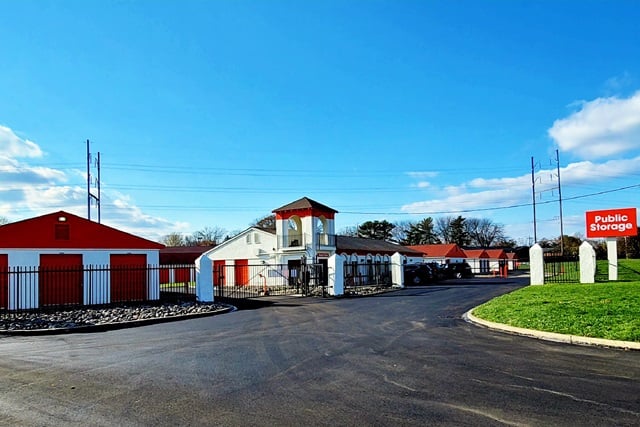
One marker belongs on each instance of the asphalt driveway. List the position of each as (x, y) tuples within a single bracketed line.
[(401, 358)]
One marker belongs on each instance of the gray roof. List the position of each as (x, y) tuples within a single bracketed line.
[(362, 245)]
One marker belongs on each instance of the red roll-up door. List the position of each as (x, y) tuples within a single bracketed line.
[(4, 281), (60, 281), (219, 273), (183, 274), (128, 277), (242, 272)]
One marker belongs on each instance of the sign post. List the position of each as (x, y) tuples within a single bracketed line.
[(612, 224)]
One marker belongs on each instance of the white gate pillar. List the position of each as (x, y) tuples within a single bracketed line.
[(204, 279), (335, 266), (612, 256), (397, 271), (536, 265), (587, 263)]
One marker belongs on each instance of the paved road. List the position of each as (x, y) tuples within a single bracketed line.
[(402, 358)]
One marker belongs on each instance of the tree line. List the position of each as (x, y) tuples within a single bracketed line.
[(465, 232)]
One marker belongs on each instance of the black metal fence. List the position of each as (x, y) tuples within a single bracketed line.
[(243, 281), (360, 277), (44, 288), (561, 268)]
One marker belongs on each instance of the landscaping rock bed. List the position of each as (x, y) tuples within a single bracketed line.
[(87, 317)]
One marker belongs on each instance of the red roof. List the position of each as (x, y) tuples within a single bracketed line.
[(476, 253), (496, 253), (304, 207), (448, 250), (62, 230)]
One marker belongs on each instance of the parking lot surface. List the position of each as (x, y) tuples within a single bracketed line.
[(401, 358)]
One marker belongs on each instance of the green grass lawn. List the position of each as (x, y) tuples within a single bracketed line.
[(602, 310)]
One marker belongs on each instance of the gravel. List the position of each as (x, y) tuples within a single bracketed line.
[(75, 318)]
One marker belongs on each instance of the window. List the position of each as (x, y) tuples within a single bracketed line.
[(62, 232), (256, 238), (248, 239)]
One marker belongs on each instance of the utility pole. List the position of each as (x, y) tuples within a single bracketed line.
[(88, 181), (560, 201), (90, 195)]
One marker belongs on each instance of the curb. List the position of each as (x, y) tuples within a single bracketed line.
[(114, 326), (551, 336)]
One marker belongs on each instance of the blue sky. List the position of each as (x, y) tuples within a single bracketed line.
[(213, 113)]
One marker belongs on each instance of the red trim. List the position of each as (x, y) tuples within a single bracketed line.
[(303, 213)]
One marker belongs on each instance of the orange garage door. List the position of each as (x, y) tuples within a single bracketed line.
[(128, 277), (60, 280), (241, 271), (219, 272)]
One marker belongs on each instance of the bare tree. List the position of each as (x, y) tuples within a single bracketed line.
[(208, 236), (443, 228), (267, 222), (173, 239), (401, 230), (350, 231), (3, 220), (483, 232)]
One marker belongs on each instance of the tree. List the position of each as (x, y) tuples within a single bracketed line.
[(267, 222), (443, 228), (208, 236), (452, 230), (173, 239), (483, 232), (379, 230), (422, 233), (350, 231), (400, 230), (458, 232), (629, 247), (3, 220)]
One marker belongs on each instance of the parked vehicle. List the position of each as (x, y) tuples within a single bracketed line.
[(418, 274), (438, 270), (458, 270)]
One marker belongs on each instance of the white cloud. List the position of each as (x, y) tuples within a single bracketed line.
[(29, 191), (495, 193), (601, 128), (12, 146)]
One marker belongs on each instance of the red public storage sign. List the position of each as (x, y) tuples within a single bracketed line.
[(612, 223)]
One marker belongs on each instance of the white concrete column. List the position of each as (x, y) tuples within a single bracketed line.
[(612, 256), (587, 263), (397, 271), (204, 279), (335, 265), (536, 265)]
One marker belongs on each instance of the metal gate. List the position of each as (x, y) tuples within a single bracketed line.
[(246, 281), (561, 268), (365, 277)]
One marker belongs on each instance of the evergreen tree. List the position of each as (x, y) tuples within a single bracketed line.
[(379, 230), (422, 233)]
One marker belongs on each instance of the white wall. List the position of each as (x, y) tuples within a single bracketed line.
[(244, 246), (96, 283)]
